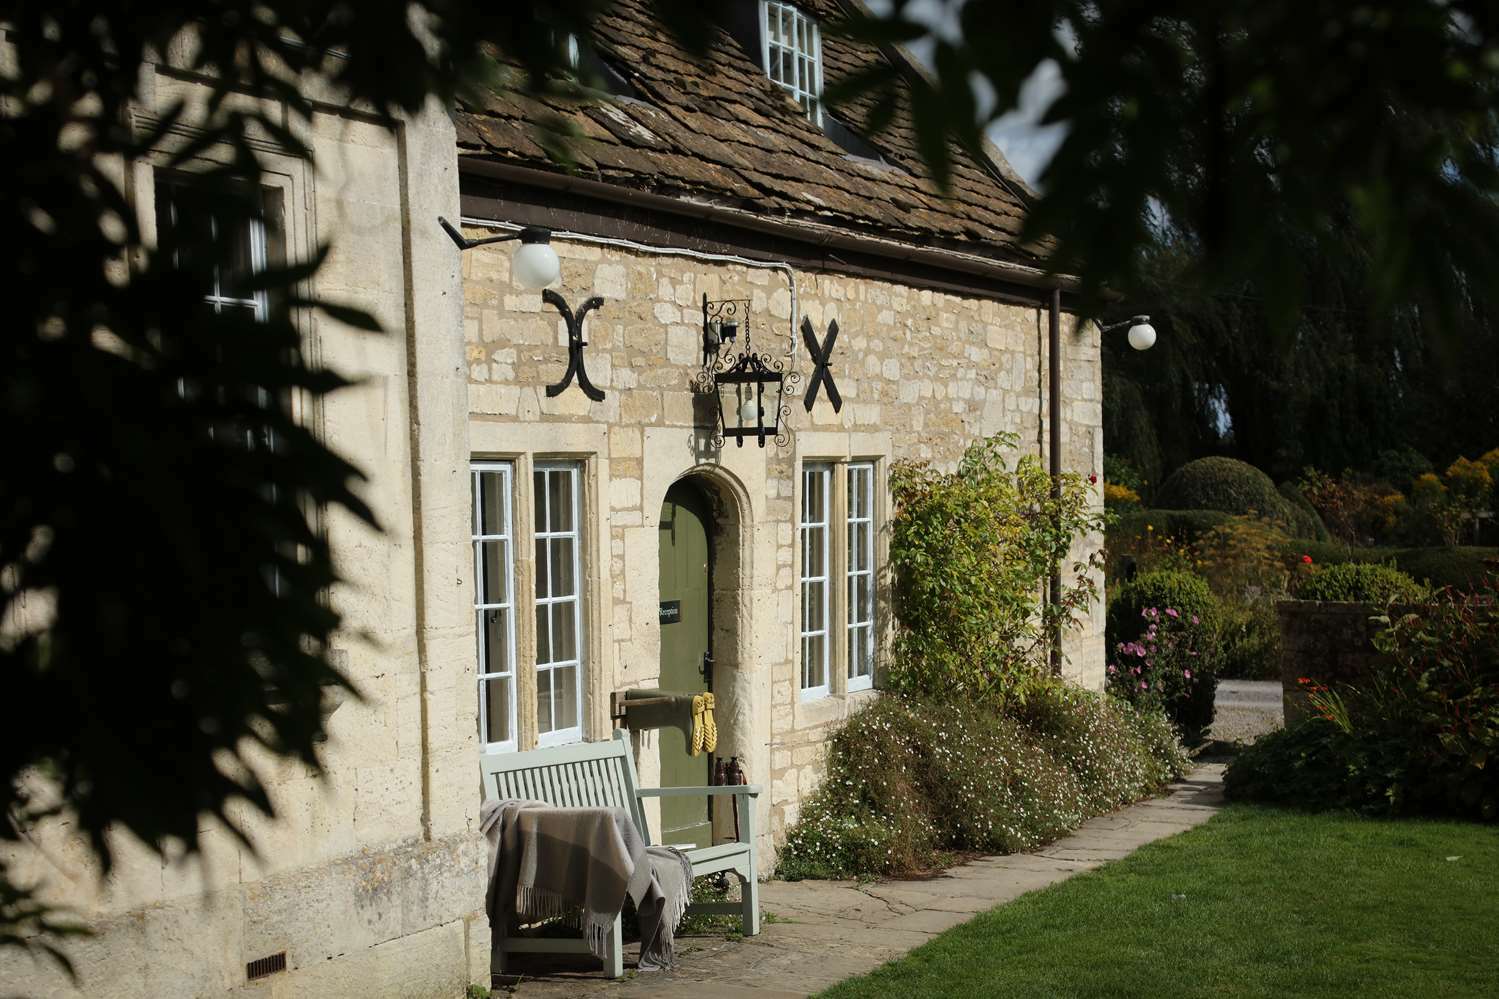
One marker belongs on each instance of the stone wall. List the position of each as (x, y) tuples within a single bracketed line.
[(1327, 642), (371, 879), (922, 374)]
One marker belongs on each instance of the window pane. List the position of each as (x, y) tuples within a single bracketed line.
[(494, 632), (864, 599), (540, 482), (560, 501), (497, 710), (237, 261), (543, 634), (815, 554), (564, 632), (565, 697), (812, 664), (493, 575), (563, 583), (543, 569), (815, 601), (544, 701), (491, 502)]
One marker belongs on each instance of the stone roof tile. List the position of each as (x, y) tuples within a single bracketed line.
[(718, 130)]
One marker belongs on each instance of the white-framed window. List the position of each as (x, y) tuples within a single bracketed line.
[(494, 602), (559, 606), (791, 47), (859, 572), (193, 214), (813, 529)]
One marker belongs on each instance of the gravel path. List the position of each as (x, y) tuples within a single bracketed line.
[(1247, 709)]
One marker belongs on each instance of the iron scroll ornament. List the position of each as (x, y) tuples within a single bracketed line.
[(575, 344), (740, 379), (822, 357)]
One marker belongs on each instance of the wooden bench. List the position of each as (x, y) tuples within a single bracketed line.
[(602, 774)]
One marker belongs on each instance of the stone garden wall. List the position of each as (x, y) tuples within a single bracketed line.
[(1328, 642)]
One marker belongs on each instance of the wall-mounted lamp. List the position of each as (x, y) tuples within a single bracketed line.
[(1141, 333), (751, 387), (533, 265)]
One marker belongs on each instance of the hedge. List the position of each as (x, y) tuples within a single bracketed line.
[(1357, 581), (1461, 567)]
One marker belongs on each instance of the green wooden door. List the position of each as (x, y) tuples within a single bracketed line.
[(686, 624)]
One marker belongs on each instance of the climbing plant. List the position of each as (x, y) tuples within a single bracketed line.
[(971, 551)]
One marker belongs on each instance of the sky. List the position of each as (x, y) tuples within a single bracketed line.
[(1027, 145)]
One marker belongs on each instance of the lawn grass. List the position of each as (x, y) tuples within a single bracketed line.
[(1257, 902)]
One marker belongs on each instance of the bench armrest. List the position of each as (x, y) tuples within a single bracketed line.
[(750, 790)]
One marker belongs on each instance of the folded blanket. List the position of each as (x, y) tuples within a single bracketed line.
[(579, 864)]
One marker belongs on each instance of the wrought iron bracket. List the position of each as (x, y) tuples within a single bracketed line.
[(822, 357), (575, 345)]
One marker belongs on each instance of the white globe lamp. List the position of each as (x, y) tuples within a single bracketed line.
[(1141, 333), (535, 263)]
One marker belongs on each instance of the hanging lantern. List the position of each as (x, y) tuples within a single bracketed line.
[(750, 386)]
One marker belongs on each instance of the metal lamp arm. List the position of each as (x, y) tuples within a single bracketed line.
[(1131, 321), (529, 234)]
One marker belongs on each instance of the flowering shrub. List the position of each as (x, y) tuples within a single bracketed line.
[(1166, 669), (910, 781)]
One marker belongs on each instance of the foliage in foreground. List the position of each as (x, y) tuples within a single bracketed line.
[(1255, 903), (1420, 737), (971, 551), (908, 780)]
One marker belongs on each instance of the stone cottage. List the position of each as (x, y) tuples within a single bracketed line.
[(582, 497)]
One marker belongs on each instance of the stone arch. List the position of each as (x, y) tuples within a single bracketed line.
[(741, 692)]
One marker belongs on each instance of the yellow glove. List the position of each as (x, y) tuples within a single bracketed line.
[(704, 731)]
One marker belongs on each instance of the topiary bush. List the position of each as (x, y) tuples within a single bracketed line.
[(1183, 591), (910, 781), (1356, 581), (1463, 567), (1220, 484), (1305, 521)]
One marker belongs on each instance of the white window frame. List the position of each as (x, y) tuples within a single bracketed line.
[(861, 578), (806, 82), (507, 537), (824, 470), (259, 301), (574, 470)]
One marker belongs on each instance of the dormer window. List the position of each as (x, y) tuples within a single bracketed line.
[(792, 51)]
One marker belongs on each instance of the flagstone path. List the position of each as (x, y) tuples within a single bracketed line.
[(821, 932)]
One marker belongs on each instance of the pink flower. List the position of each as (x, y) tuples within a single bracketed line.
[(1196, 619), (1186, 673), (1136, 671), (1112, 670), (1171, 612), (1144, 685)]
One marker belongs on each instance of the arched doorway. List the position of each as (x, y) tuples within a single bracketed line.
[(687, 586)]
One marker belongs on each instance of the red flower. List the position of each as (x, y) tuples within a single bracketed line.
[(1306, 560), (1092, 480)]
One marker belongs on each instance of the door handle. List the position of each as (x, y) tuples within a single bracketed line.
[(707, 667)]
